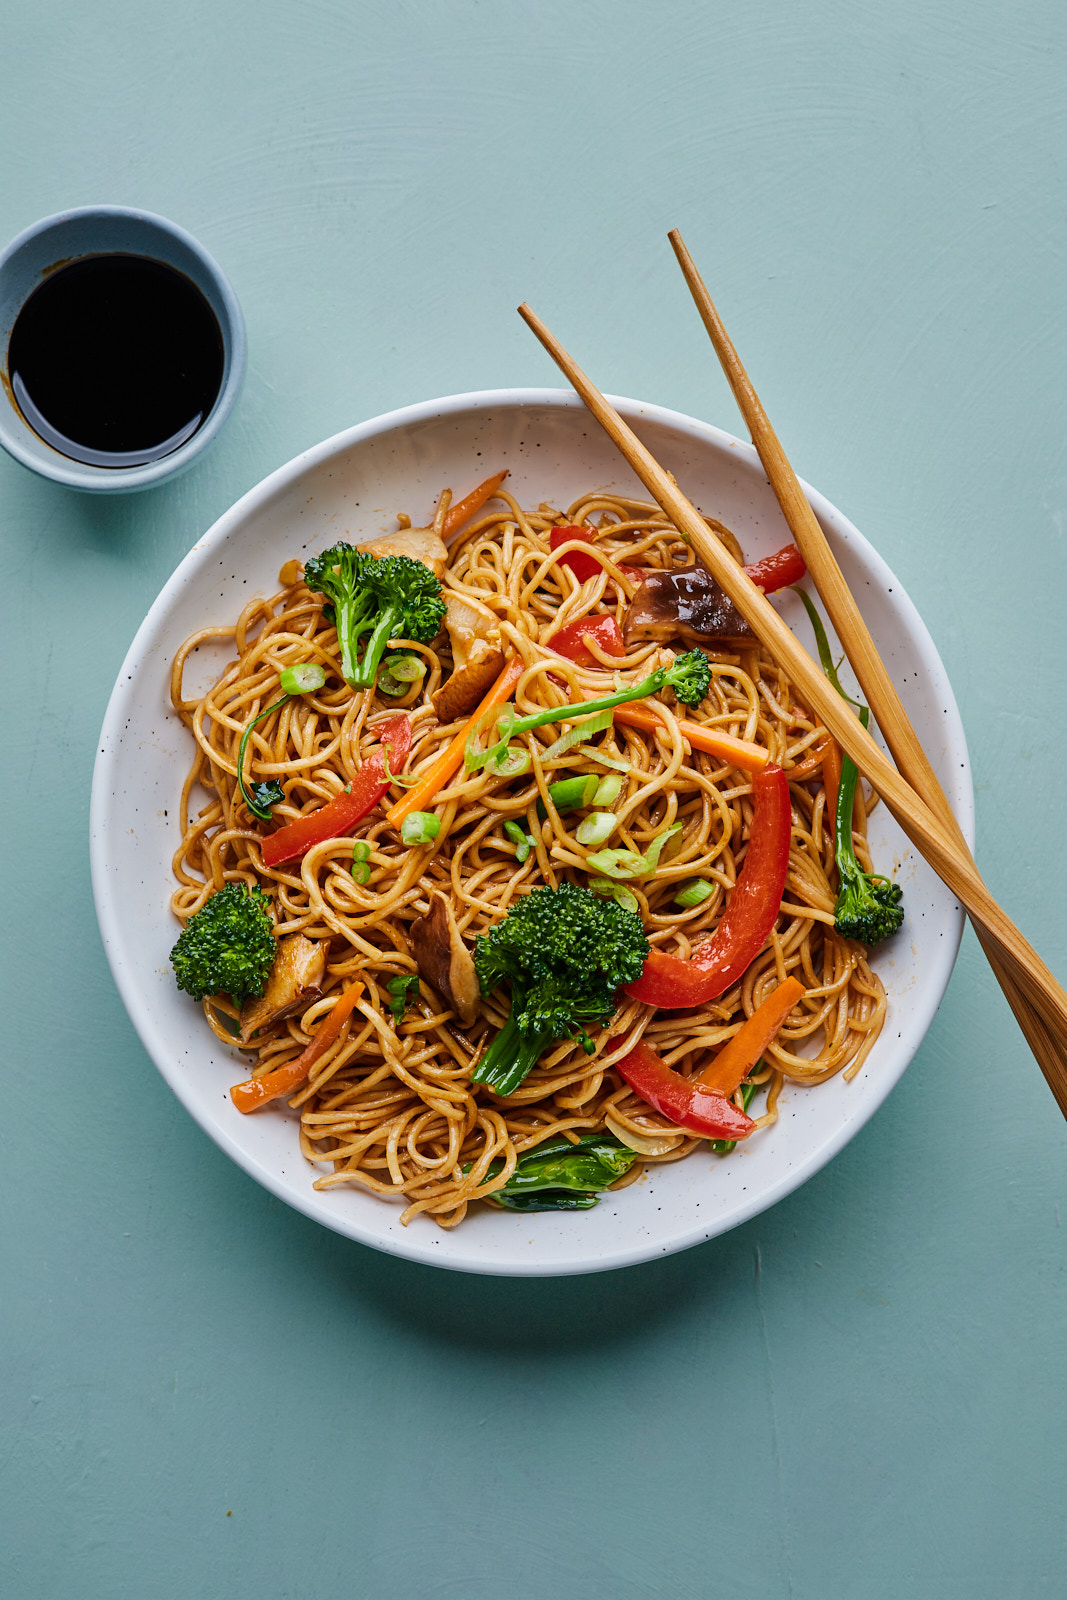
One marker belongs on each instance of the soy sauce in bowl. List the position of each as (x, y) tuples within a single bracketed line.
[(116, 360)]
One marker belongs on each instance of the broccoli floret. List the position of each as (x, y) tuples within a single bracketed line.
[(689, 676), (375, 598), (566, 954), (868, 904), (228, 946)]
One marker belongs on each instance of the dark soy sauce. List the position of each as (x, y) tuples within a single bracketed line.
[(115, 360)]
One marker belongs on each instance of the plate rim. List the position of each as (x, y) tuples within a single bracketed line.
[(413, 1246)]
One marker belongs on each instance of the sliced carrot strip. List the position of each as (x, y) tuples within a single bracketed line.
[(738, 752), (740, 1054), (451, 758), (462, 510), (285, 1079)]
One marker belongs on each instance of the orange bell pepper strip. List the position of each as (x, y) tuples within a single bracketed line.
[(451, 758), (745, 925), (685, 1101), (339, 815), (739, 1055), (255, 1092), (461, 511)]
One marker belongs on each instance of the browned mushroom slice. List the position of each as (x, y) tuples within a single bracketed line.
[(444, 960), (685, 604), (459, 696), (421, 544), (295, 980)]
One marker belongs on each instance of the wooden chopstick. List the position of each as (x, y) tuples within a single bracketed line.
[(926, 830), (908, 753)]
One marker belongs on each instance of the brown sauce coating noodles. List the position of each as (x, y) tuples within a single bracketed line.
[(390, 1106)]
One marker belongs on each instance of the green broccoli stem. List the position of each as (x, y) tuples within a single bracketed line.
[(512, 1055), (366, 671), (351, 624), (586, 708), (844, 853)]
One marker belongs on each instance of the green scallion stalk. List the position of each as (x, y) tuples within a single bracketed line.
[(597, 828), (360, 861), (520, 839), (694, 893), (608, 790), (304, 678), (420, 827), (570, 794)]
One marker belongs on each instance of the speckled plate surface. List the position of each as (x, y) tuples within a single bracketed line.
[(352, 486)]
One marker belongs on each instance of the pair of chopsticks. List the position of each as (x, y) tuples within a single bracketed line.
[(912, 793)]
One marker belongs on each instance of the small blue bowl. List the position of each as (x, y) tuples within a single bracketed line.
[(107, 230)]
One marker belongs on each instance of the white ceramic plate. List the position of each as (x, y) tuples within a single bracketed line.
[(352, 486)]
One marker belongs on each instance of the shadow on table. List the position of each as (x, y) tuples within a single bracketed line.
[(538, 1315)]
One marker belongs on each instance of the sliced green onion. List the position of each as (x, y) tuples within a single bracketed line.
[(360, 860), (597, 828), (608, 790), (397, 778), (473, 757), (304, 678), (581, 730), (615, 891), (595, 754), (398, 673), (627, 863), (510, 762), (520, 839), (420, 827), (569, 794), (694, 893)]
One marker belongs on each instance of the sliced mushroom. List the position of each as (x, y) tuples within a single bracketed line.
[(467, 685), (421, 544), (295, 980), (468, 621), (444, 960), (685, 604)]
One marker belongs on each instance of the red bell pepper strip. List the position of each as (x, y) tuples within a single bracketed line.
[(584, 566), (784, 567), (683, 1100), (747, 921), (340, 815), (604, 632)]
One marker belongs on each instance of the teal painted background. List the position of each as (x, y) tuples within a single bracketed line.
[(859, 1394)]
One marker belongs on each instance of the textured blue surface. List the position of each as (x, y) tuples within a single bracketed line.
[(860, 1394)]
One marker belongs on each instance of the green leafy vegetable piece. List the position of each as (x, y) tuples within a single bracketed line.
[(399, 989), (560, 1176)]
